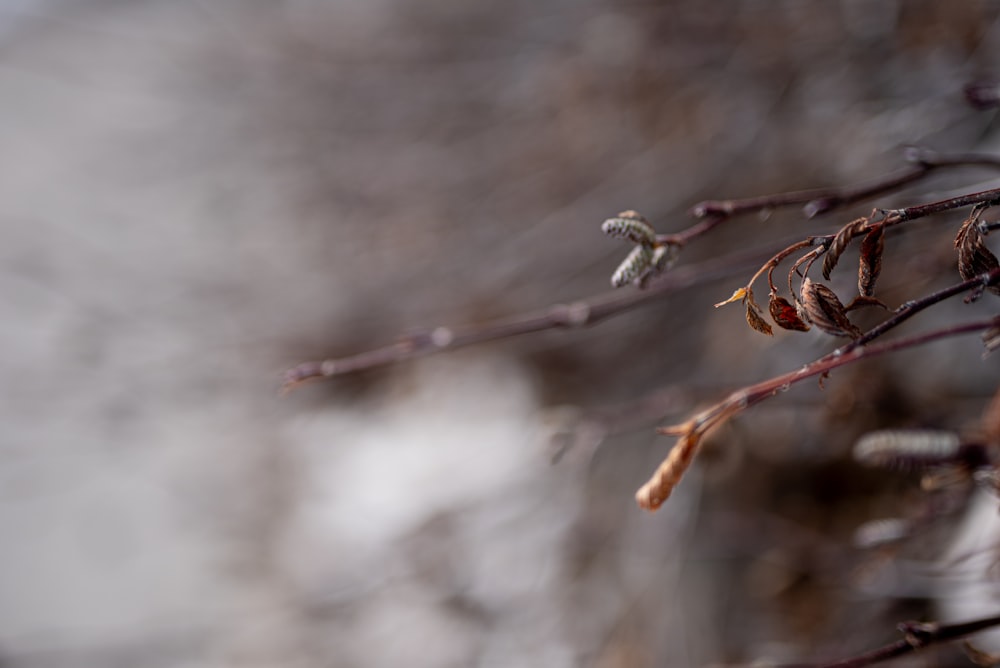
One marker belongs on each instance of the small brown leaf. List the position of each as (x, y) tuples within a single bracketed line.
[(974, 258), (754, 317), (870, 264), (785, 315), (738, 295), (840, 243), (756, 320), (822, 307)]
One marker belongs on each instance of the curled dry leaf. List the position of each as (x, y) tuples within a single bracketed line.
[(652, 495), (756, 320), (738, 295), (840, 243), (870, 263), (785, 315), (974, 258), (823, 308), (632, 266), (632, 226)]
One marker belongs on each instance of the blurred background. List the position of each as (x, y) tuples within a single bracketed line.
[(196, 195)]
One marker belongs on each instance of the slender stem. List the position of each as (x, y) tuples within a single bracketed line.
[(909, 309), (580, 313), (897, 216), (917, 635), (819, 201)]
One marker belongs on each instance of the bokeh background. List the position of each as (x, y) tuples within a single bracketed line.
[(198, 194)]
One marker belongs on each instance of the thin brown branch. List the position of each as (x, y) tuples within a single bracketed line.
[(659, 487), (819, 201), (580, 313), (916, 636)]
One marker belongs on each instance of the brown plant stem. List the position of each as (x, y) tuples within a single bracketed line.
[(819, 201), (580, 313), (659, 487), (916, 636)]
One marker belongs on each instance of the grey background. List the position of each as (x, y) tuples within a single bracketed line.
[(197, 195)]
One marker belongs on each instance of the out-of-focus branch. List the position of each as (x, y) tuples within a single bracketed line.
[(580, 313), (916, 636)]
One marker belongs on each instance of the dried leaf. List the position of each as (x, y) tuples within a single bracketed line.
[(634, 264), (785, 315), (632, 226), (840, 243), (756, 320), (974, 258), (652, 495), (861, 301), (738, 295), (870, 263), (822, 308), (754, 317)]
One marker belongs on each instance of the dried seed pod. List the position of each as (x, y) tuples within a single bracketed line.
[(632, 266), (877, 533), (908, 448), (785, 315), (822, 307), (632, 226), (974, 258), (840, 243), (870, 262)]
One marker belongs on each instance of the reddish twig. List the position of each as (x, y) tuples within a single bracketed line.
[(916, 636), (819, 201), (580, 313)]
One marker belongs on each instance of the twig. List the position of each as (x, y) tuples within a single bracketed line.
[(916, 636), (580, 313), (652, 495), (819, 201)]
